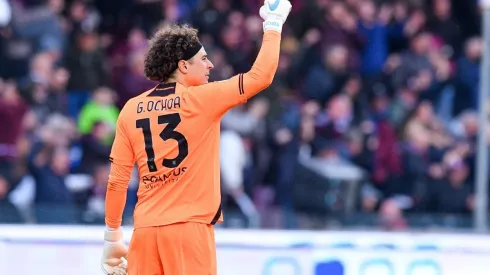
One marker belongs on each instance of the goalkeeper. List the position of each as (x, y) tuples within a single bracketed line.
[(172, 133)]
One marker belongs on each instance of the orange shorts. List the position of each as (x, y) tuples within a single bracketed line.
[(176, 249)]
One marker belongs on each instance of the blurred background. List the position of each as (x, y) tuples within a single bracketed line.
[(371, 120)]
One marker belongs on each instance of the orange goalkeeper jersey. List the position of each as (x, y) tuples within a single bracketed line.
[(172, 133)]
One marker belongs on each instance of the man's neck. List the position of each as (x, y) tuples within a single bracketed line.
[(177, 80)]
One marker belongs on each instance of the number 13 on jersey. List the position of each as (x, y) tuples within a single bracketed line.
[(168, 132)]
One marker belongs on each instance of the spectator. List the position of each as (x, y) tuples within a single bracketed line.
[(95, 148), (341, 28), (49, 165), (10, 214), (444, 26), (375, 33), (323, 81), (85, 61), (452, 194), (240, 128), (416, 64), (133, 78), (12, 111), (100, 108), (468, 75)]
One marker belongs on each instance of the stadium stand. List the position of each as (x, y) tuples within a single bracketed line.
[(370, 122)]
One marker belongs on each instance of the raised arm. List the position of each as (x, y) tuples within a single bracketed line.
[(218, 97)]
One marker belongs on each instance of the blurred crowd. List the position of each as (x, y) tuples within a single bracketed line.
[(388, 88)]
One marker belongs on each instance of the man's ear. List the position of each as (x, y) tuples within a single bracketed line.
[(182, 66)]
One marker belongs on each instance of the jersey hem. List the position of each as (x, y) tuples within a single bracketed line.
[(175, 222)]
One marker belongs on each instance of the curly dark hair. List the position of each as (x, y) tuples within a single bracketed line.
[(166, 48)]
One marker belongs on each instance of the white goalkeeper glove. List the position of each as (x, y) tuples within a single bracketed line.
[(275, 13), (114, 255)]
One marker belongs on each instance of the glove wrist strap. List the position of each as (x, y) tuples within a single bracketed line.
[(112, 235), (273, 25)]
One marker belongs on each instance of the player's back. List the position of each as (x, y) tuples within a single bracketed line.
[(176, 147), (172, 132)]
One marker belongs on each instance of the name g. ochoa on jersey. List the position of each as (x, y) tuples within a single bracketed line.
[(158, 105)]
